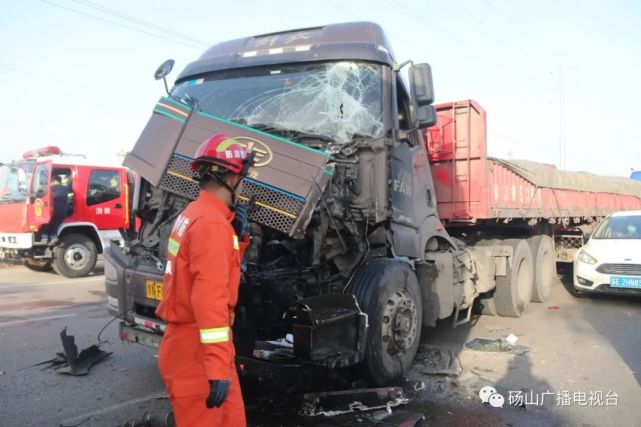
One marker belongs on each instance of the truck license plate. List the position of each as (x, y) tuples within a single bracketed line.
[(625, 282), (154, 290)]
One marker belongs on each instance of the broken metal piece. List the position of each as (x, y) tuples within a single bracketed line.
[(330, 330), (166, 419), (496, 345), (402, 419), (333, 403), (77, 364)]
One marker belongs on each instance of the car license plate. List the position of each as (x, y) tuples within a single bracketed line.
[(625, 282), (154, 290)]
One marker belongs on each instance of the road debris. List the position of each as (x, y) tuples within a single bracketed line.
[(432, 361), (70, 362), (402, 419), (496, 345), (166, 419), (333, 403), (420, 386), (553, 307), (512, 339)]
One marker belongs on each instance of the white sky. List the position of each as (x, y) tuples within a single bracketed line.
[(80, 76)]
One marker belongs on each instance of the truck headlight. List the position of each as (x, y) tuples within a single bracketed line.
[(587, 258)]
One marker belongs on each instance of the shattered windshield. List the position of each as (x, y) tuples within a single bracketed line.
[(14, 181), (337, 100)]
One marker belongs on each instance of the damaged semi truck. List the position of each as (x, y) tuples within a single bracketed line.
[(349, 258)]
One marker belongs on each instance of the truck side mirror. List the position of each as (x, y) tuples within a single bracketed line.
[(164, 69), (425, 116), (421, 84)]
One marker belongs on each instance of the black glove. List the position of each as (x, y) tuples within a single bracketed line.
[(218, 390), (240, 221)]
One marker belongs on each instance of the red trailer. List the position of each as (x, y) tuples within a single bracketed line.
[(498, 197)]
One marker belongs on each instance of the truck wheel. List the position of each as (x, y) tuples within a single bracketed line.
[(514, 290), (38, 265), (388, 291), (75, 256), (542, 248)]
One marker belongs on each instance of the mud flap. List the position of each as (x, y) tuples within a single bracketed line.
[(330, 330)]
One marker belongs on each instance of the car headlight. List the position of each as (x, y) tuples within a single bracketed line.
[(587, 258)]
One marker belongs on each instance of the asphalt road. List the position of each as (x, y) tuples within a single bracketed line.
[(578, 346), (34, 308)]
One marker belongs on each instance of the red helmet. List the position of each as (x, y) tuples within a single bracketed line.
[(222, 153)]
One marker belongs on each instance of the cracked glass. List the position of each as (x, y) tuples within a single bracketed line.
[(337, 101)]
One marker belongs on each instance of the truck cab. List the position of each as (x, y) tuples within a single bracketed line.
[(348, 255), (97, 206)]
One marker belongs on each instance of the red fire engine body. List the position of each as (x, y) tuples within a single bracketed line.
[(98, 205)]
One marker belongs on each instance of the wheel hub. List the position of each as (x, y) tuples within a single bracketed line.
[(399, 322), (76, 256)]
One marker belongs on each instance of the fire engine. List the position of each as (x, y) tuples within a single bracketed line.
[(98, 206)]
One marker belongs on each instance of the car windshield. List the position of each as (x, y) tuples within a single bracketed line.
[(620, 227), (14, 181), (337, 100)]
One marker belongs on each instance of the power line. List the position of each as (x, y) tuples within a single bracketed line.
[(395, 35), (421, 19), (465, 16), (49, 79), (518, 141), (141, 22), (520, 28), (121, 25)]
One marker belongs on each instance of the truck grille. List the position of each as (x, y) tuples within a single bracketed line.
[(629, 269), (272, 207), (179, 179)]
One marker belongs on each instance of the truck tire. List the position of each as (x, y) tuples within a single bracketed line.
[(514, 290), (542, 248), (76, 255), (388, 291), (38, 265)]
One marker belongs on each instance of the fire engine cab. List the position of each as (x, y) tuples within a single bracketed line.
[(98, 205)]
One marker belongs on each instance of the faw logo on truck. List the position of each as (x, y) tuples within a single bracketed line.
[(264, 154)]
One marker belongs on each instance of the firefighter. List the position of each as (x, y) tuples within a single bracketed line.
[(200, 290), (60, 196)]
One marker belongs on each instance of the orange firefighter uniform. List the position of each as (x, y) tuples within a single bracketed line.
[(200, 291)]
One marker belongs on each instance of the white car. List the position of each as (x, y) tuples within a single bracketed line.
[(610, 262)]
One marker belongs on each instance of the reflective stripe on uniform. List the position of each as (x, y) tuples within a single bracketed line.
[(172, 247), (209, 336), (236, 246)]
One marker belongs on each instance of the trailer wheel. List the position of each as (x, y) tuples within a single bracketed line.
[(40, 266), (388, 291), (76, 255), (514, 290), (542, 248)]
